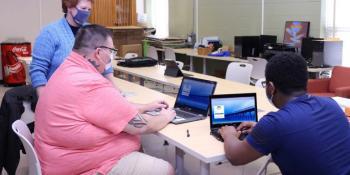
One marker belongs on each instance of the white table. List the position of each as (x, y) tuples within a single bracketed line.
[(196, 145)]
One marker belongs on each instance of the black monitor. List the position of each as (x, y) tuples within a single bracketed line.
[(295, 31), (246, 46), (307, 45)]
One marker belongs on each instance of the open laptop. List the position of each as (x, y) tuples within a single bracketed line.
[(173, 70), (192, 102), (231, 109)]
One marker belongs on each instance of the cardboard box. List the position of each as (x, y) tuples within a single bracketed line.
[(204, 51)]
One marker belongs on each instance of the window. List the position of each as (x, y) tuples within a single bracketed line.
[(157, 12), (342, 25)]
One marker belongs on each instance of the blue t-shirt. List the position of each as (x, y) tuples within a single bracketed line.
[(309, 135)]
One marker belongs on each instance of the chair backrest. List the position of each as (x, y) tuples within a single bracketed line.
[(263, 168), (239, 72), (22, 131), (152, 52), (260, 83), (180, 64), (28, 115), (169, 54), (130, 55), (339, 77), (259, 65)]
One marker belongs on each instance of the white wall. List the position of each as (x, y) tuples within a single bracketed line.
[(180, 17), (21, 18), (227, 18), (277, 12)]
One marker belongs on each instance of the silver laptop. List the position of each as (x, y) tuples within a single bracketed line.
[(192, 102)]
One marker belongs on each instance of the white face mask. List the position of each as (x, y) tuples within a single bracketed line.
[(270, 100), (109, 65)]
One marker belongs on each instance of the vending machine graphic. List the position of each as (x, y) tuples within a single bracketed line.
[(13, 70)]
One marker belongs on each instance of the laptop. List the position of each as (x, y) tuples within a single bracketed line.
[(173, 70), (231, 110), (192, 101)]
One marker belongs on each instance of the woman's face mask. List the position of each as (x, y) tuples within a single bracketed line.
[(81, 17)]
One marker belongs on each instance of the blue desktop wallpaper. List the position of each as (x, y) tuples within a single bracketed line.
[(195, 94), (233, 110)]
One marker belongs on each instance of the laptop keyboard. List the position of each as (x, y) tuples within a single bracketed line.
[(214, 132), (184, 114)]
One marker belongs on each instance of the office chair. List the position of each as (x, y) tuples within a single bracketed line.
[(22, 131), (152, 53), (263, 169), (261, 83), (239, 72), (169, 54), (258, 71), (130, 55)]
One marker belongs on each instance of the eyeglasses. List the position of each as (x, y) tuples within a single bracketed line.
[(112, 50)]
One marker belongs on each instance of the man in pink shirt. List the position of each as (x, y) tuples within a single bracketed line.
[(85, 126)]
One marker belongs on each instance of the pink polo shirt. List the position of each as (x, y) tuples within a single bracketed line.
[(79, 121)]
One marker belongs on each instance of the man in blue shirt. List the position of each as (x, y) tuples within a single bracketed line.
[(307, 135)]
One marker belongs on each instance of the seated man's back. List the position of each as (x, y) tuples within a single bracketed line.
[(76, 126), (309, 135)]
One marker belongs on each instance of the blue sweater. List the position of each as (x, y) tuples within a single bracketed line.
[(51, 48)]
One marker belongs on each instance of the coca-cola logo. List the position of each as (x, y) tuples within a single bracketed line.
[(22, 49)]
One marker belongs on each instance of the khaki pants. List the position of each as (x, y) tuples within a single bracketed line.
[(137, 163)]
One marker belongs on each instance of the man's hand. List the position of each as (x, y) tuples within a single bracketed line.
[(247, 126), (229, 131), (168, 113), (159, 104), (39, 90)]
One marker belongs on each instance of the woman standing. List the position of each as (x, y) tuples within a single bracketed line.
[(56, 40)]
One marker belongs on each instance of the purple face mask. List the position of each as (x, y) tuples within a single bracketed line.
[(81, 17)]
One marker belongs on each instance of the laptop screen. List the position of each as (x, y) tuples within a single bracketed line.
[(233, 109), (193, 95)]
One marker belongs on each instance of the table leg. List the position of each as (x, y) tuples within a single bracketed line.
[(142, 81), (205, 168), (130, 77), (179, 161), (191, 63), (204, 66)]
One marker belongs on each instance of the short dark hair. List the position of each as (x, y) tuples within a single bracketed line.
[(90, 37), (288, 72)]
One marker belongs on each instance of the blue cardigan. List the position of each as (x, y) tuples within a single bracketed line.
[(51, 48)]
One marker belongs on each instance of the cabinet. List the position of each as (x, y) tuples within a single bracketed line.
[(114, 13)]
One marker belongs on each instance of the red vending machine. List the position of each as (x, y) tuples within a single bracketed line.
[(13, 70)]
